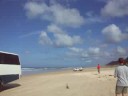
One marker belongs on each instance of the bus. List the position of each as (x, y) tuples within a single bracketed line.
[(10, 68)]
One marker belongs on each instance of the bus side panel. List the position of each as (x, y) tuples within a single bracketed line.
[(10, 69), (9, 78)]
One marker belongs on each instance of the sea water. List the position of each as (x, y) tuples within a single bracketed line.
[(30, 71)]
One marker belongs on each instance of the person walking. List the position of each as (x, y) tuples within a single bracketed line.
[(98, 68), (121, 73)]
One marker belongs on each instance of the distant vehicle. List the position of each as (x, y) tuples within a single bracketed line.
[(10, 68), (78, 69)]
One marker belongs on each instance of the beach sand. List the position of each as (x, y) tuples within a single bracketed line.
[(64, 83)]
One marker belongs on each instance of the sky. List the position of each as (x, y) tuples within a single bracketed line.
[(64, 33)]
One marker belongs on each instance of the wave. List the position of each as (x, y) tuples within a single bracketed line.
[(45, 68), (32, 70)]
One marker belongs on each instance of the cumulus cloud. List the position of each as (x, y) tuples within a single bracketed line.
[(77, 50), (106, 54), (55, 13), (34, 9), (94, 51), (121, 51), (85, 54), (115, 8), (62, 40), (59, 38), (44, 39), (88, 53), (113, 34), (92, 18), (126, 29), (55, 29)]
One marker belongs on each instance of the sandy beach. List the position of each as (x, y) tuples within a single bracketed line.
[(64, 83)]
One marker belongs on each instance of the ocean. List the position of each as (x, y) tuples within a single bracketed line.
[(30, 71)]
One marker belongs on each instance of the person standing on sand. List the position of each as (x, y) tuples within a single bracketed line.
[(121, 72), (98, 68)]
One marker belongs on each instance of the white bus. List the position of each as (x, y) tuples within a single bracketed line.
[(10, 68)]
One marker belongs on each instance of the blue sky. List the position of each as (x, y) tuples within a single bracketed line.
[(64, 33)]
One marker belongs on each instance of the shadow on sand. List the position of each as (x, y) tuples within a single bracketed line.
[(10, 86)]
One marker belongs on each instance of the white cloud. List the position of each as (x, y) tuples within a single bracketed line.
[(84, 54), (55, 29), (62, 40), (94, 54), (59, 38), (115, 8), (126, 29), (113, 34), (92, 18), (58, 15), (106, 54), (94, 51), (121, 51), (104, 45), (66, 16), (55, 13), (35, 9), (44, 39), (77, 50), (91, 54)]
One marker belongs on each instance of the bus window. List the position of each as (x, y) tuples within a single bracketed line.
[(9, 59)]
